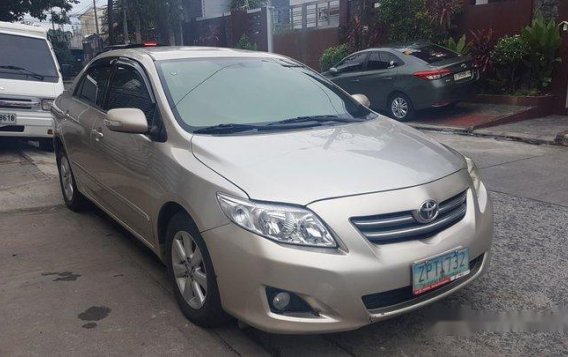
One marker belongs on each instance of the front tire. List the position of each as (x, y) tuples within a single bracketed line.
[(400, 107), (191, 273), (74, 200)]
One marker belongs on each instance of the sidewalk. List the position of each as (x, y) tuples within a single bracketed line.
[(551, 130)]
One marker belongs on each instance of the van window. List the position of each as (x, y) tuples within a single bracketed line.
[(26, 58)]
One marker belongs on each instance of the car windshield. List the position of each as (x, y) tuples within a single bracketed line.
[(253, 93), (430, 53), (26, 58)]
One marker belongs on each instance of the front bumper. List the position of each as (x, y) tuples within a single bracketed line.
[(30, 124), (334, 282)]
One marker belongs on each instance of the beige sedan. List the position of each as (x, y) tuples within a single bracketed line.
[(271, 195)]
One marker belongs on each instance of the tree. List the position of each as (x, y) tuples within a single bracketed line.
[(406, 20), (14, 10)]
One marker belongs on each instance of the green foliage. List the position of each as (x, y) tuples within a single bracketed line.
[(245, 4), (460, 46), (543, 41), (245, 44), (443, 12), (14, 10), (480, 46), (332, 55), (509, 50), (406, 20), (508, 56), (60, 42)]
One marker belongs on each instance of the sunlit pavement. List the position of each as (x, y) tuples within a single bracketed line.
[(79, 284)]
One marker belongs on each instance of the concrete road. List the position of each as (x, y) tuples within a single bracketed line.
[(78, 284)]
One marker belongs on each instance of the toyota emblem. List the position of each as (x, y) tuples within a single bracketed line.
[(427, 212)]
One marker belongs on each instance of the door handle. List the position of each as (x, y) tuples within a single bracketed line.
[(97, 134), (355, 80), (66, 116)]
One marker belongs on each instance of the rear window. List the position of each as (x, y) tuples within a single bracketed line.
[(430, 53), (26, 58)]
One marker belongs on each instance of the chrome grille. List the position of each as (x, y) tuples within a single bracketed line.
[(19, 103), (401, 226)]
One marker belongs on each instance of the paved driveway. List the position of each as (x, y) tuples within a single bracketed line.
[(78, 284)]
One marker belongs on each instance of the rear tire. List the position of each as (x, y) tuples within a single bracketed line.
[(74, 200), (46, 144), (191, 273), (400, 107)]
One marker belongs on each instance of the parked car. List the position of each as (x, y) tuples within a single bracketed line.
[(403, 79), (270, 194), (30, 80)]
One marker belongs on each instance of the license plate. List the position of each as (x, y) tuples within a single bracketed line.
[(433, 272), (7, 119), (462, 75)]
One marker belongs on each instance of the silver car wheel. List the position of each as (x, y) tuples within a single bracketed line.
[(66, 178), (399, 107), (189, 269)]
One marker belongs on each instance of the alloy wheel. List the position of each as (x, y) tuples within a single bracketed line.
[(66, 178), (189, 269), (399, 107)]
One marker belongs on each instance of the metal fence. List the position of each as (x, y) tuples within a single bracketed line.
[(310, 15)]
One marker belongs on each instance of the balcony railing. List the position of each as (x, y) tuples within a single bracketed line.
[(310, 15)]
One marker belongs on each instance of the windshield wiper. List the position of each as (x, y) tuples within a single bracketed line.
[(227, 128), (26, 71), (318, 119)]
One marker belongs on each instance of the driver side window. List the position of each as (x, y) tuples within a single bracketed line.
[(353, 63), (128, 90)]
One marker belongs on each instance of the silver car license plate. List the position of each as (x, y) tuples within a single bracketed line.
[(462, 75), (8, 119), (433, 272)]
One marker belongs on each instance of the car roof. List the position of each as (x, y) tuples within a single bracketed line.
[(24, 30), (161, 53), (398, 46)]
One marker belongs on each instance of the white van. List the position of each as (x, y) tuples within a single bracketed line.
[(30, 80)]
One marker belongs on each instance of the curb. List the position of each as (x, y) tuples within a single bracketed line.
[(560, 140)]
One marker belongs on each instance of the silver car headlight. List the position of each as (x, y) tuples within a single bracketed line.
[(478, 186), (278, 222)]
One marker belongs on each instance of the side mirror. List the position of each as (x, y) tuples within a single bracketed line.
[(362, 99), (127, 120), (333, 71)]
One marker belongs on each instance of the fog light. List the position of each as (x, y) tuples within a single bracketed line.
[(281, 301), (285, 302)]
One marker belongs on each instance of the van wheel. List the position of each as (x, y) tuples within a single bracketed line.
[(46, 144), (191, 272), (400, 107), (74, 200)]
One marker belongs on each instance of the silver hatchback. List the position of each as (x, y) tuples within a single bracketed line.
[(271, 195)]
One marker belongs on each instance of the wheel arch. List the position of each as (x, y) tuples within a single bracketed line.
[(167, 212)]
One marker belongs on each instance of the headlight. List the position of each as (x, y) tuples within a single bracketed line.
[(46, 104), (281, 223)]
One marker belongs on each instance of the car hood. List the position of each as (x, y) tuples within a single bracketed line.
[(304, 166)]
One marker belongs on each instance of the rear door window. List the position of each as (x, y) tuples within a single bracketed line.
[(26, 58), (430, 53), (94, 85), (377, 61)]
